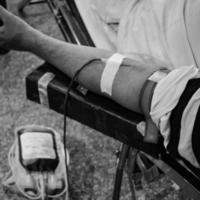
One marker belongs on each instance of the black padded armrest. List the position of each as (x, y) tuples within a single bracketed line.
[(91, 109)]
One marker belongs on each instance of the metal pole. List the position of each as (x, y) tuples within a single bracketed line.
[(123, 154)]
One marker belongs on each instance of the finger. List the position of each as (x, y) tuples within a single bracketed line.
[(4, 13)]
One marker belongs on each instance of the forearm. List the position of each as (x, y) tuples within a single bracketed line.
[(69, 58), (65, 56)]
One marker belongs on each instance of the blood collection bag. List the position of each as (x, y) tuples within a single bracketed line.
[(38, 150)]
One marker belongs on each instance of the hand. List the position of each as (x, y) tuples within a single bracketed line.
[(14, 32)]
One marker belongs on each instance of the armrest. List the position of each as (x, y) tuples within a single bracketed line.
[(91, 109), (111, 119)]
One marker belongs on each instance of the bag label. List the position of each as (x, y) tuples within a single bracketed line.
[(37, 145)]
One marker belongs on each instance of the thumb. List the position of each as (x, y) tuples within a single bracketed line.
[(3, 13)]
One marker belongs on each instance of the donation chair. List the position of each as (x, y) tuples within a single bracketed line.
[(99, 112)]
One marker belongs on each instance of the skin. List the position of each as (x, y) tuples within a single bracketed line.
[(17, 35)]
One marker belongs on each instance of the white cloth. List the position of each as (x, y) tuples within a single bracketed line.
[(94, 18), (166, 96), (107, 78), (110, 11), (163, 32)]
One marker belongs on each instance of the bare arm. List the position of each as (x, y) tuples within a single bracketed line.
[(16, 34)]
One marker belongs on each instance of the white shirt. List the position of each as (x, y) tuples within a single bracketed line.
[(165, 32)]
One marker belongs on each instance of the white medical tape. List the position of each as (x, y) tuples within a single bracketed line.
[(42, 88), (109, 72)]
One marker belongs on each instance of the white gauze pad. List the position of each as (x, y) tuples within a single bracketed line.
[(112, 66)]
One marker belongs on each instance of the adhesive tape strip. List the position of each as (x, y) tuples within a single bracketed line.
[(42, 88), (109, 73)]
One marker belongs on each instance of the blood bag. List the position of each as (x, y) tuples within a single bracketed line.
[(38, 150)]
